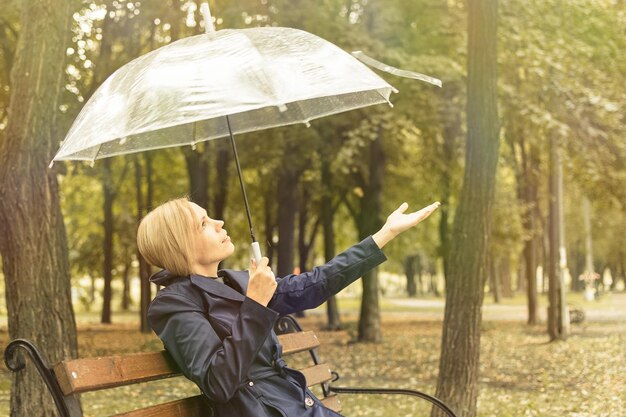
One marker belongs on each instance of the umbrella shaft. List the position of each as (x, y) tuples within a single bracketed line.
[(243, 188)]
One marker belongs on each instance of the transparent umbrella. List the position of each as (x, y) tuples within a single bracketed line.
[(220, 84)]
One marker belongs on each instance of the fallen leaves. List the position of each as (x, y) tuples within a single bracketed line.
[(521, 374)]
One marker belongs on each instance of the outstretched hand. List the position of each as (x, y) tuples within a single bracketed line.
[(399, 221)]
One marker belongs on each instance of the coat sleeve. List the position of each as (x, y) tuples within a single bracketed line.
[(218, 367), (311, 289)]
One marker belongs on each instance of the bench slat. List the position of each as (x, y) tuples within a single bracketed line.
[(91, 374), (298, 342), (188, 407), (332, 402), (83, 375), (317, 374)]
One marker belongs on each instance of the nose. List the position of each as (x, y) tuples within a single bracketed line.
[(219, 223)]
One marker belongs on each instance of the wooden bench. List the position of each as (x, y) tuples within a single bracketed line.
[(69, 378)]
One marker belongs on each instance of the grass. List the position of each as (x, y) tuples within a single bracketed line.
[(521, 374)]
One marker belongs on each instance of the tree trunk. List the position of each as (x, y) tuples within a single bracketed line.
[(589, 267), (146, 289), (125, 305), (107, 272), (198, 171), (419, 271), (545, 260), (527, 175), (328, 213), (92, 287), (578, 266), (530, 198), (144, 271), (521, 275), (457, 383), (504, 269), (33, 243), (303, 219), (494, 279), (368, 223), (530, 258), (147, 157), (270, 225), (451, 130), (287, 207), (434, 290), (409, 270), (223, 156), (303, 246), (562, 259), (555, 316), (535, 245)]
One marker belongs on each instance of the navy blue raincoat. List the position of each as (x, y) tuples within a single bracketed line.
[(225, 342)]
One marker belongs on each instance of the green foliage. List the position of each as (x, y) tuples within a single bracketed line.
[(81, 193), (507, 234), (560, 75)]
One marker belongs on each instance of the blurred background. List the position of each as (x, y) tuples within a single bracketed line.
[(560, 187)]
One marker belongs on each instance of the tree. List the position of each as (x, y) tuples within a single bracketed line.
[(557, 326), (198, 170), (525, 161), (110, 189), (457, 383), (327, 215), (33, 242), (287, 208), (563, 83), (223, 156), (143, 206), (368, 221), (412, 266)]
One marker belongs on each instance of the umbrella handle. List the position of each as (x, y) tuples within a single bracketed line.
[(256, 252)]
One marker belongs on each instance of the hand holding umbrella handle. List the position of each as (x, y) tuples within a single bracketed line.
[(256, 252)]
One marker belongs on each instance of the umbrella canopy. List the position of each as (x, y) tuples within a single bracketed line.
[(180, 94), (219, 84)]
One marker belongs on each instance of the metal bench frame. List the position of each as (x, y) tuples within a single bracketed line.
[(288, 324)]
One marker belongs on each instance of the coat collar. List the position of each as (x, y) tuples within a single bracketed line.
[(238, 280), (235, 278)]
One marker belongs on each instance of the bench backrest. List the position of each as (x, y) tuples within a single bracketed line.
[(91, 374)]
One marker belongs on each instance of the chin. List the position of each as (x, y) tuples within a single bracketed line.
[(232, 248)]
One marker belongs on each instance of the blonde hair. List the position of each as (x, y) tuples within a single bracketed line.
[(164, 236)]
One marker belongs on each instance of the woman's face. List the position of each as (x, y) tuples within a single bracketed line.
[(212, 244)]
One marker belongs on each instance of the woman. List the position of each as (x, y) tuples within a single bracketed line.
[(218, 325)]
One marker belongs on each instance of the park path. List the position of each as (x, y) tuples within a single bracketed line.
[(612, 309)]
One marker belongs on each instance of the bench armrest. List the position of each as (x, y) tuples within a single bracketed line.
[(435, 401), (68, 406)]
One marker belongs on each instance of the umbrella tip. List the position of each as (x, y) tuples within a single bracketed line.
[(51, 164), (208, 20)]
